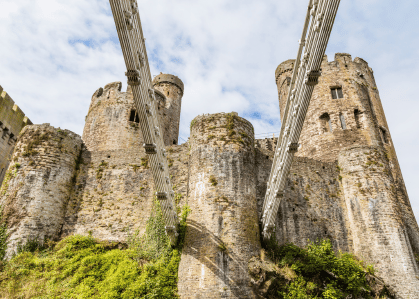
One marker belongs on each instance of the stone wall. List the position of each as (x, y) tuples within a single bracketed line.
[(375, 219), (223, 231), (312, 207), (113, 193), (12, 120), (38, 183)]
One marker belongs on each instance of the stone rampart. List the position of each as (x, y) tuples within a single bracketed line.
[(38, 183), (223, 231), (114, 192)]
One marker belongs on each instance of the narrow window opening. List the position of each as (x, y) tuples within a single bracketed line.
[(174, 142), (137, 119), (342, 121), (326, 123), (288, 80), (132, 115), (384, 134), (267, 157), (167, 93), (337, 93), (358, 116), (5, 132)]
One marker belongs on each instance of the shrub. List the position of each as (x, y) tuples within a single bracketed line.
[(82, 267), (3, 236), (320, 272)]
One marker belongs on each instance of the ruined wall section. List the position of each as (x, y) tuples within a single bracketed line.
[(113, 192), (312, 207), (375, 218), (12, 120), (172, 88), (38, 183), (223, 231)]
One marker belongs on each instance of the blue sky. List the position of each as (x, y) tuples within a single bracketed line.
[(55, 54)]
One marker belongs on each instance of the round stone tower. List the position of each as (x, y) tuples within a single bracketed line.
[(223, 231), (37, 185), (112, 122), (172, 88), (375, 219), (345, 111), (346, 120)]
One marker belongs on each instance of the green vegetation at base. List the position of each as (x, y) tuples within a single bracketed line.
[(3, 237), (318, 272), (82, 267)]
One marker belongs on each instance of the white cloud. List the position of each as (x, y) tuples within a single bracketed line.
[(55, 54)]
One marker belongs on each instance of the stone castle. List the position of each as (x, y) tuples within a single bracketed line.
[(345, 183)]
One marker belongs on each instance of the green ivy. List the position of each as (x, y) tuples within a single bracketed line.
[(82, 267), (3, 236), (320, 272)]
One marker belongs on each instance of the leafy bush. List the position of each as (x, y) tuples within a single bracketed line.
[(3, 236), (319, 272), (82, 267)]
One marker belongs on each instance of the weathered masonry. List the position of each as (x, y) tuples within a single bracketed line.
[(12, 120), (345, 183)]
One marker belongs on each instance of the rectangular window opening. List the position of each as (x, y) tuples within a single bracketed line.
[(337, 93), (132, 115)]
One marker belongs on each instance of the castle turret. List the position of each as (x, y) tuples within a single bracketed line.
[(37, 185), (112, 122), (223, 231), (345, 114), (172, 88), (343, 109)]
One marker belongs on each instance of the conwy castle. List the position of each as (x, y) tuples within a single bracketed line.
[(345, 182)]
